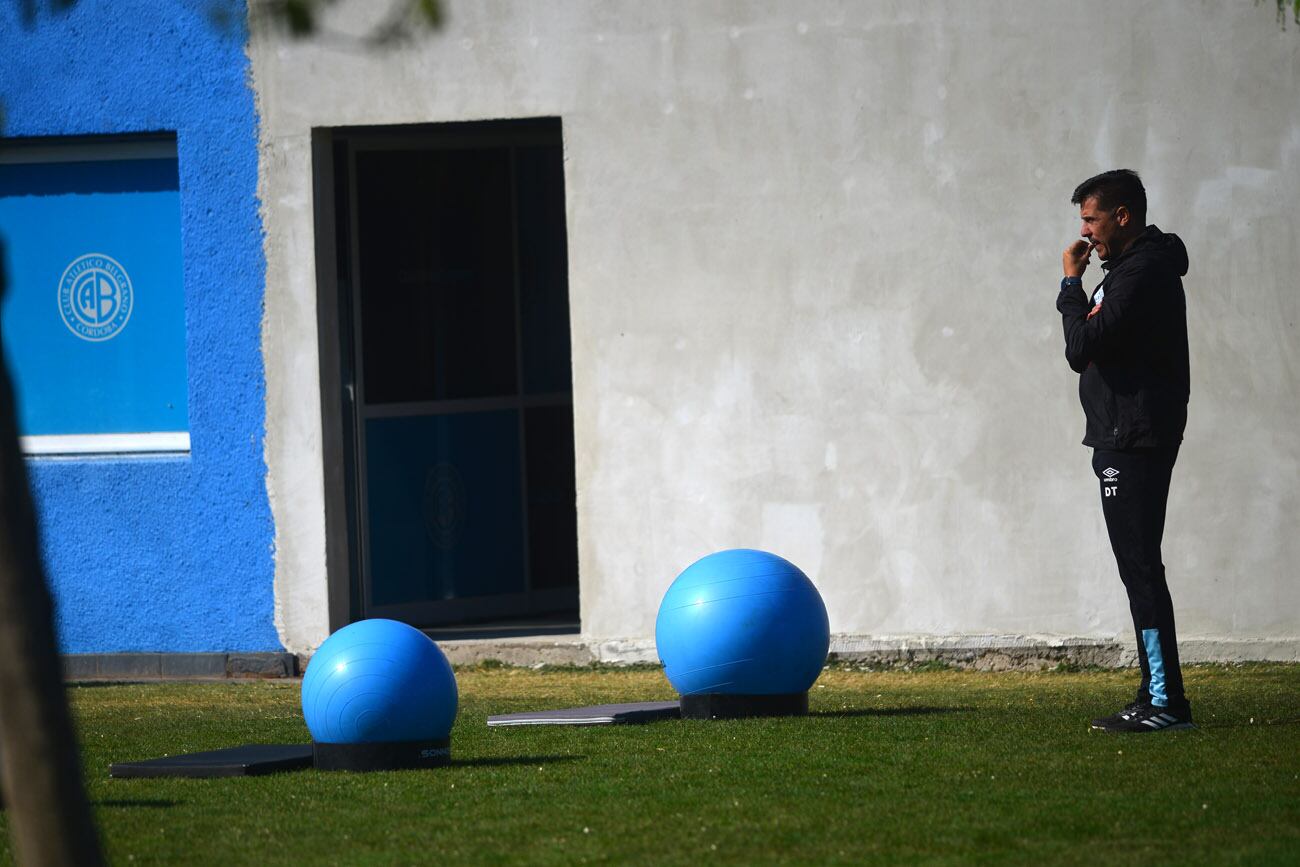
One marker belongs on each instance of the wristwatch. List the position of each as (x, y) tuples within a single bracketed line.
[(1071, 283)]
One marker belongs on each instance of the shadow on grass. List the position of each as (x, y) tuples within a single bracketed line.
[(502, 761), (890, 711), (132, 803)]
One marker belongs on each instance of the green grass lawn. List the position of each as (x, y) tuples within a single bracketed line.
[(892, 767)]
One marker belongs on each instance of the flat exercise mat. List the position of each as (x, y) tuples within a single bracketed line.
[(250, 760), (597, 715)]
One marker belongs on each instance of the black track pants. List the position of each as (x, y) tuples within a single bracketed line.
[(1134, 491)]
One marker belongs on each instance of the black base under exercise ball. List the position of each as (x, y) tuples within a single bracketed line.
[(398, 756), (716, 705)]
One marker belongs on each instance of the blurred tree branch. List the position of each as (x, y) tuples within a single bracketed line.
[(30, 10), (298, 19), (1282, 6)]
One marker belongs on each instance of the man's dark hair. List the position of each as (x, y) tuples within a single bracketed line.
[(1115, 188)]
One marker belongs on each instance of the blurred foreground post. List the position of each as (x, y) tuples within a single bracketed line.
[(40, 771)]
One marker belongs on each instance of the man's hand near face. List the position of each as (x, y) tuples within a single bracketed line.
[(1075, 258)]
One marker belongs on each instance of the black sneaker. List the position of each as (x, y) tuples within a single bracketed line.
[(1120, 716), (1149, 718)]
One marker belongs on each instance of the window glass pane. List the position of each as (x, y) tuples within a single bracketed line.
[(543, 270), (552, 497), (437, 274), (445, 513), (93, 321)]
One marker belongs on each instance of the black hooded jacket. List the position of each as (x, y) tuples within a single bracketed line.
[(1132, 355)]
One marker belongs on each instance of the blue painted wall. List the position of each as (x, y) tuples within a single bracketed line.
[(164, 554)]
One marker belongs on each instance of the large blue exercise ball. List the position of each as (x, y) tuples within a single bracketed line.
[(379, 681), (742, 622)]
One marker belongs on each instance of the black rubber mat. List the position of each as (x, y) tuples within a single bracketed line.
[(250, 760), (597, 715)]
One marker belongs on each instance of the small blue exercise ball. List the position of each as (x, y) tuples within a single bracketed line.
[(742, 622), (378, 681)]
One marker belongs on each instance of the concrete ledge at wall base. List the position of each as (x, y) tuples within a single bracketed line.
[(1038, 652), (541, 651), (991, 653), (178, 666), (974, 652), (1237, 650)]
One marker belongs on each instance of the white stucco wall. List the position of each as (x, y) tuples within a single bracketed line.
[(814, 250)]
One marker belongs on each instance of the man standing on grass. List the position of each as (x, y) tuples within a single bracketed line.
[(1128, 342)]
